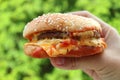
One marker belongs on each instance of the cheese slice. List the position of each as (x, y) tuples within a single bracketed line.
[(53, 46)]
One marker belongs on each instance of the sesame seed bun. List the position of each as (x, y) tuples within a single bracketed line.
[(63, 35), (62, 22)]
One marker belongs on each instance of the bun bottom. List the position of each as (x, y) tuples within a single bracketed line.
[(36, 51)]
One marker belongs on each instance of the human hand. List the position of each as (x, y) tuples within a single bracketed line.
[(104, 66)]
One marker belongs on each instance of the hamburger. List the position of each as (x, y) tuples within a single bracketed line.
[(63, 35)]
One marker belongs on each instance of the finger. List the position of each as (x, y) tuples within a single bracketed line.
[(91, 62), (105, 26), (89, 15), (92, 73), (109, 32), (64, 63)]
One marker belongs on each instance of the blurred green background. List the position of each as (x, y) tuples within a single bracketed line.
[(14, 14)]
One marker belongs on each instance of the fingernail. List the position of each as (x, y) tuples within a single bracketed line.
[(60, 61)]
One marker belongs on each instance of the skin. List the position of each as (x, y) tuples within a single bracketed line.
[(103, 66)]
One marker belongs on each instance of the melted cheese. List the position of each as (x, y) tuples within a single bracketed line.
[(91, 42), (53, 48)]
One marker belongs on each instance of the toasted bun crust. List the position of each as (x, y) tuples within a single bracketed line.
[(62, 22)]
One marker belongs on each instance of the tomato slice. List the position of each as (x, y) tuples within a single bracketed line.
[(66, 43), (39, 53), (85, 51)]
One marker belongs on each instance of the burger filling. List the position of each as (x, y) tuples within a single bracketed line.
[(59, 43), (64, 35)]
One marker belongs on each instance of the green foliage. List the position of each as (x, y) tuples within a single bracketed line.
[(14, 14)]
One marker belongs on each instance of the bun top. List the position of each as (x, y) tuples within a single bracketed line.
[(61, 22)]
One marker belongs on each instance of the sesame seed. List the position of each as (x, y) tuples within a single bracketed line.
[(35, 30), (66, 27), (72, 23), (58, 26), (37, 21), (48, 21), (35, 18), (44, 20), (80, 28), (66, 21)]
